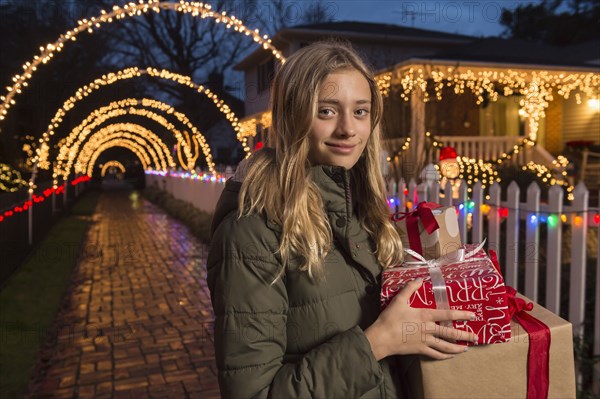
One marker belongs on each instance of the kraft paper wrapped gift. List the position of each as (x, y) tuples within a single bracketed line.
[(436, 237), (497, 370)]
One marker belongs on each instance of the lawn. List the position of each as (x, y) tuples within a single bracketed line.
[(31, 298)]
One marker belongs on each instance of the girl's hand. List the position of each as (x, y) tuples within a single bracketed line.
[(402, 330)]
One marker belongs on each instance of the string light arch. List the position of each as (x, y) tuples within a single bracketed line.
[(83, 163), (127, 107), (201, 10), (69, 151), (133, 146), (42, 152), (112, 164), (141, 135)]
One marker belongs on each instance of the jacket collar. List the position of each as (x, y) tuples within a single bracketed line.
[(334, 184)]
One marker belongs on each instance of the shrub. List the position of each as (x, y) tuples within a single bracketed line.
[(196, 220)]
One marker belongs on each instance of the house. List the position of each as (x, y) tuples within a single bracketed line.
[(493, 99), (381, 45), (220, 135)]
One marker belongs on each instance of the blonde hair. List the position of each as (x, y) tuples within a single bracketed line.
[(278, 181)]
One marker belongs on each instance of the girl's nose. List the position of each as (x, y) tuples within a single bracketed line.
[(345, 127)]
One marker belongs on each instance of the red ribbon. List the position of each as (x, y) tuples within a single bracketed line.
[(538, 357), (425, 215)]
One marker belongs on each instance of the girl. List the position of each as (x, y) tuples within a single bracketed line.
[(301, 235)]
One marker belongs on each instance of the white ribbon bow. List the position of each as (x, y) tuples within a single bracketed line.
[(447, 259), (438, 283)]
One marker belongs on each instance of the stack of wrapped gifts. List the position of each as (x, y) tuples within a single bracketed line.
[(523, 351)]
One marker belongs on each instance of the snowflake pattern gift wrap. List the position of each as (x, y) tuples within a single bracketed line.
[(466, 280)]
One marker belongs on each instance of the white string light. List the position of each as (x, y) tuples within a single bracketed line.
[(134, 147), (112, 164), (200, 10), (10, 179), (42, 152), (126, 107), (139, 150), (156, 148)]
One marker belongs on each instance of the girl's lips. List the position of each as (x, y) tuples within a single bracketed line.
[(341, 148)]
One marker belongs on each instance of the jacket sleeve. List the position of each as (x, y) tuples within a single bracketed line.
[(250, 329)]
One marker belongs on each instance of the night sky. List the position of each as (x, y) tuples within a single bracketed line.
[(476, 18)]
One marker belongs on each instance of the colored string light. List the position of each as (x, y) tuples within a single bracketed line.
[(551, 219), (80, 179), (204, 177), (36, 199)]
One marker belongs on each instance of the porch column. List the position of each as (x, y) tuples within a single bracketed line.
[(417, 135)]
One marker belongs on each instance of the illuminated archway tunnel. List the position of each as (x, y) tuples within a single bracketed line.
[(129, 131), (74, 140), (139, 150), (133, 147), (41, 157)]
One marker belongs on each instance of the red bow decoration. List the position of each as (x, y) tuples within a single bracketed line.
[(538, 357), (425, 215)]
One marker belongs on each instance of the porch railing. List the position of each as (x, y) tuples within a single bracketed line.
[(479, 147), (483, 147)]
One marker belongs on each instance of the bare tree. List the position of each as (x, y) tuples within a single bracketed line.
[(199, 48)]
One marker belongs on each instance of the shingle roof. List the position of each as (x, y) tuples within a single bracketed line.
[(356, 31), (501, 50), (463, 48), (377, 28)]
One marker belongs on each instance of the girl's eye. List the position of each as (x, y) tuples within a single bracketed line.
[(326, 112), (362, 112)]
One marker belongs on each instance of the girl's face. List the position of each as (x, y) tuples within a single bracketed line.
[(342, 126)]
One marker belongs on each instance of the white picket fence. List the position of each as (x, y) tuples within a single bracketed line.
[(505, 218), (502, 233)]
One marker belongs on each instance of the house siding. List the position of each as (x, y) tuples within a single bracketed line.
[(580, 121), (376, 56), (554, 122), (255, 101)]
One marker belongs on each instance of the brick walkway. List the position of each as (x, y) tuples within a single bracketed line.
[(136, 321)]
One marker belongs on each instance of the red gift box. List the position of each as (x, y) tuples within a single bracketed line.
[(473, 284)]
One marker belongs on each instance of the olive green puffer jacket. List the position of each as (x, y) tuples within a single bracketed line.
[(295, 338)]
